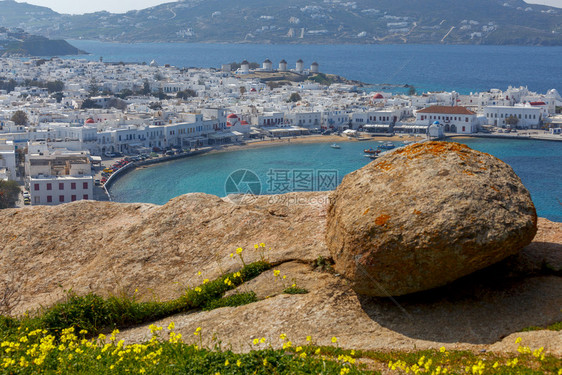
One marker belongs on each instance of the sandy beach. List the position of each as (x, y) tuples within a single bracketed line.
[(312, 139)]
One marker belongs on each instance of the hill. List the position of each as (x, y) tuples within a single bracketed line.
[(19, 43), (317, 21)]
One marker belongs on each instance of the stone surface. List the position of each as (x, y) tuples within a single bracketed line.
[(112, 248), (116, 248), (425, 215), (485, 310)]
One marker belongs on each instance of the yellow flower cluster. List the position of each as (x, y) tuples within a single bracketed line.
[(477, 367), (33, 349)]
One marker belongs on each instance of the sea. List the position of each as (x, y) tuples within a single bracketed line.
[(464, 69), (312, 167)]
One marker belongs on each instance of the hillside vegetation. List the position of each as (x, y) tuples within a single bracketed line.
[(316, 21)]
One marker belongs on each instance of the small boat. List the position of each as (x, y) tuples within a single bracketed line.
[(371, 156), (335, 145), (372, 151), (387, 145)]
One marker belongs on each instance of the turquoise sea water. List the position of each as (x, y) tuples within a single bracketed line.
[(308, 167), (464, 69)]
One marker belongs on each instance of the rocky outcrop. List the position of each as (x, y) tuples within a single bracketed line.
[(116, 248), (112, 248), (426, 215)]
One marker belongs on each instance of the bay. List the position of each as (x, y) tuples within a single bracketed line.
[(465, 69), (537, 163)]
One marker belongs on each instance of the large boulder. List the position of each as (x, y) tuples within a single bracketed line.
[(425, 215)]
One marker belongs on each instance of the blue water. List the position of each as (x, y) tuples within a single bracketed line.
[(464, 69), (306, 166)]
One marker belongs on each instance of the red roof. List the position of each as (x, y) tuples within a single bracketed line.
[(537, 103), (232, 115), (244, 123), (90, 121), (447, 110), (378, 95)]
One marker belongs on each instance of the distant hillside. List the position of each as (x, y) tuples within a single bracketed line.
[(316, 21), (20, 43)]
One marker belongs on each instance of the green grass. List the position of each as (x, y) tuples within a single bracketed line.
[(234, 300), (295, 290), (95, 314), (553, 327)]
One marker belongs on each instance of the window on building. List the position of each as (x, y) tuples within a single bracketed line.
[(466, 119), (49, 198), (61, 185), (72, 198), (36, 187), (36, 200), (73, 185), (49, 186), (463, 129), (61, 198), (85, 196), (85, 185)]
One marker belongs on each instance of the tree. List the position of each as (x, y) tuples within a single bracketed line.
[(88, 104), (93, 88), (242, 90), (55, 86), (295, 97), (412, 91), (512, 120), (117, 104), (58, 96), (155, 106), (9, 193), (146, 88), (189, 93), (161, 95), (20, 118), (125, 94)]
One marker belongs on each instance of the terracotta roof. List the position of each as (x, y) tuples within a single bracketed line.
[(446, 110)]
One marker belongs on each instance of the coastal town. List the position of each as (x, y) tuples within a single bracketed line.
[(61, 120)]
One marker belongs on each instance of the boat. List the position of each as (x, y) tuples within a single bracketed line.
[(371, 156), (335, 145), (387, 145), (372, 151)]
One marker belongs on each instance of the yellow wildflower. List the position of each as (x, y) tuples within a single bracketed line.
[(334, 339)]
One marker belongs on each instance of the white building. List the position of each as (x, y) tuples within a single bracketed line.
[(519, 117), (299, 67), (314, 67), (58, 177), (269, 119), (7, 160), (305, 119), (454, 119), (267, 65)]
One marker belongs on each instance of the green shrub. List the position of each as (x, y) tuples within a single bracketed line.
[(87, 312), (234, 300), (295, 290)]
